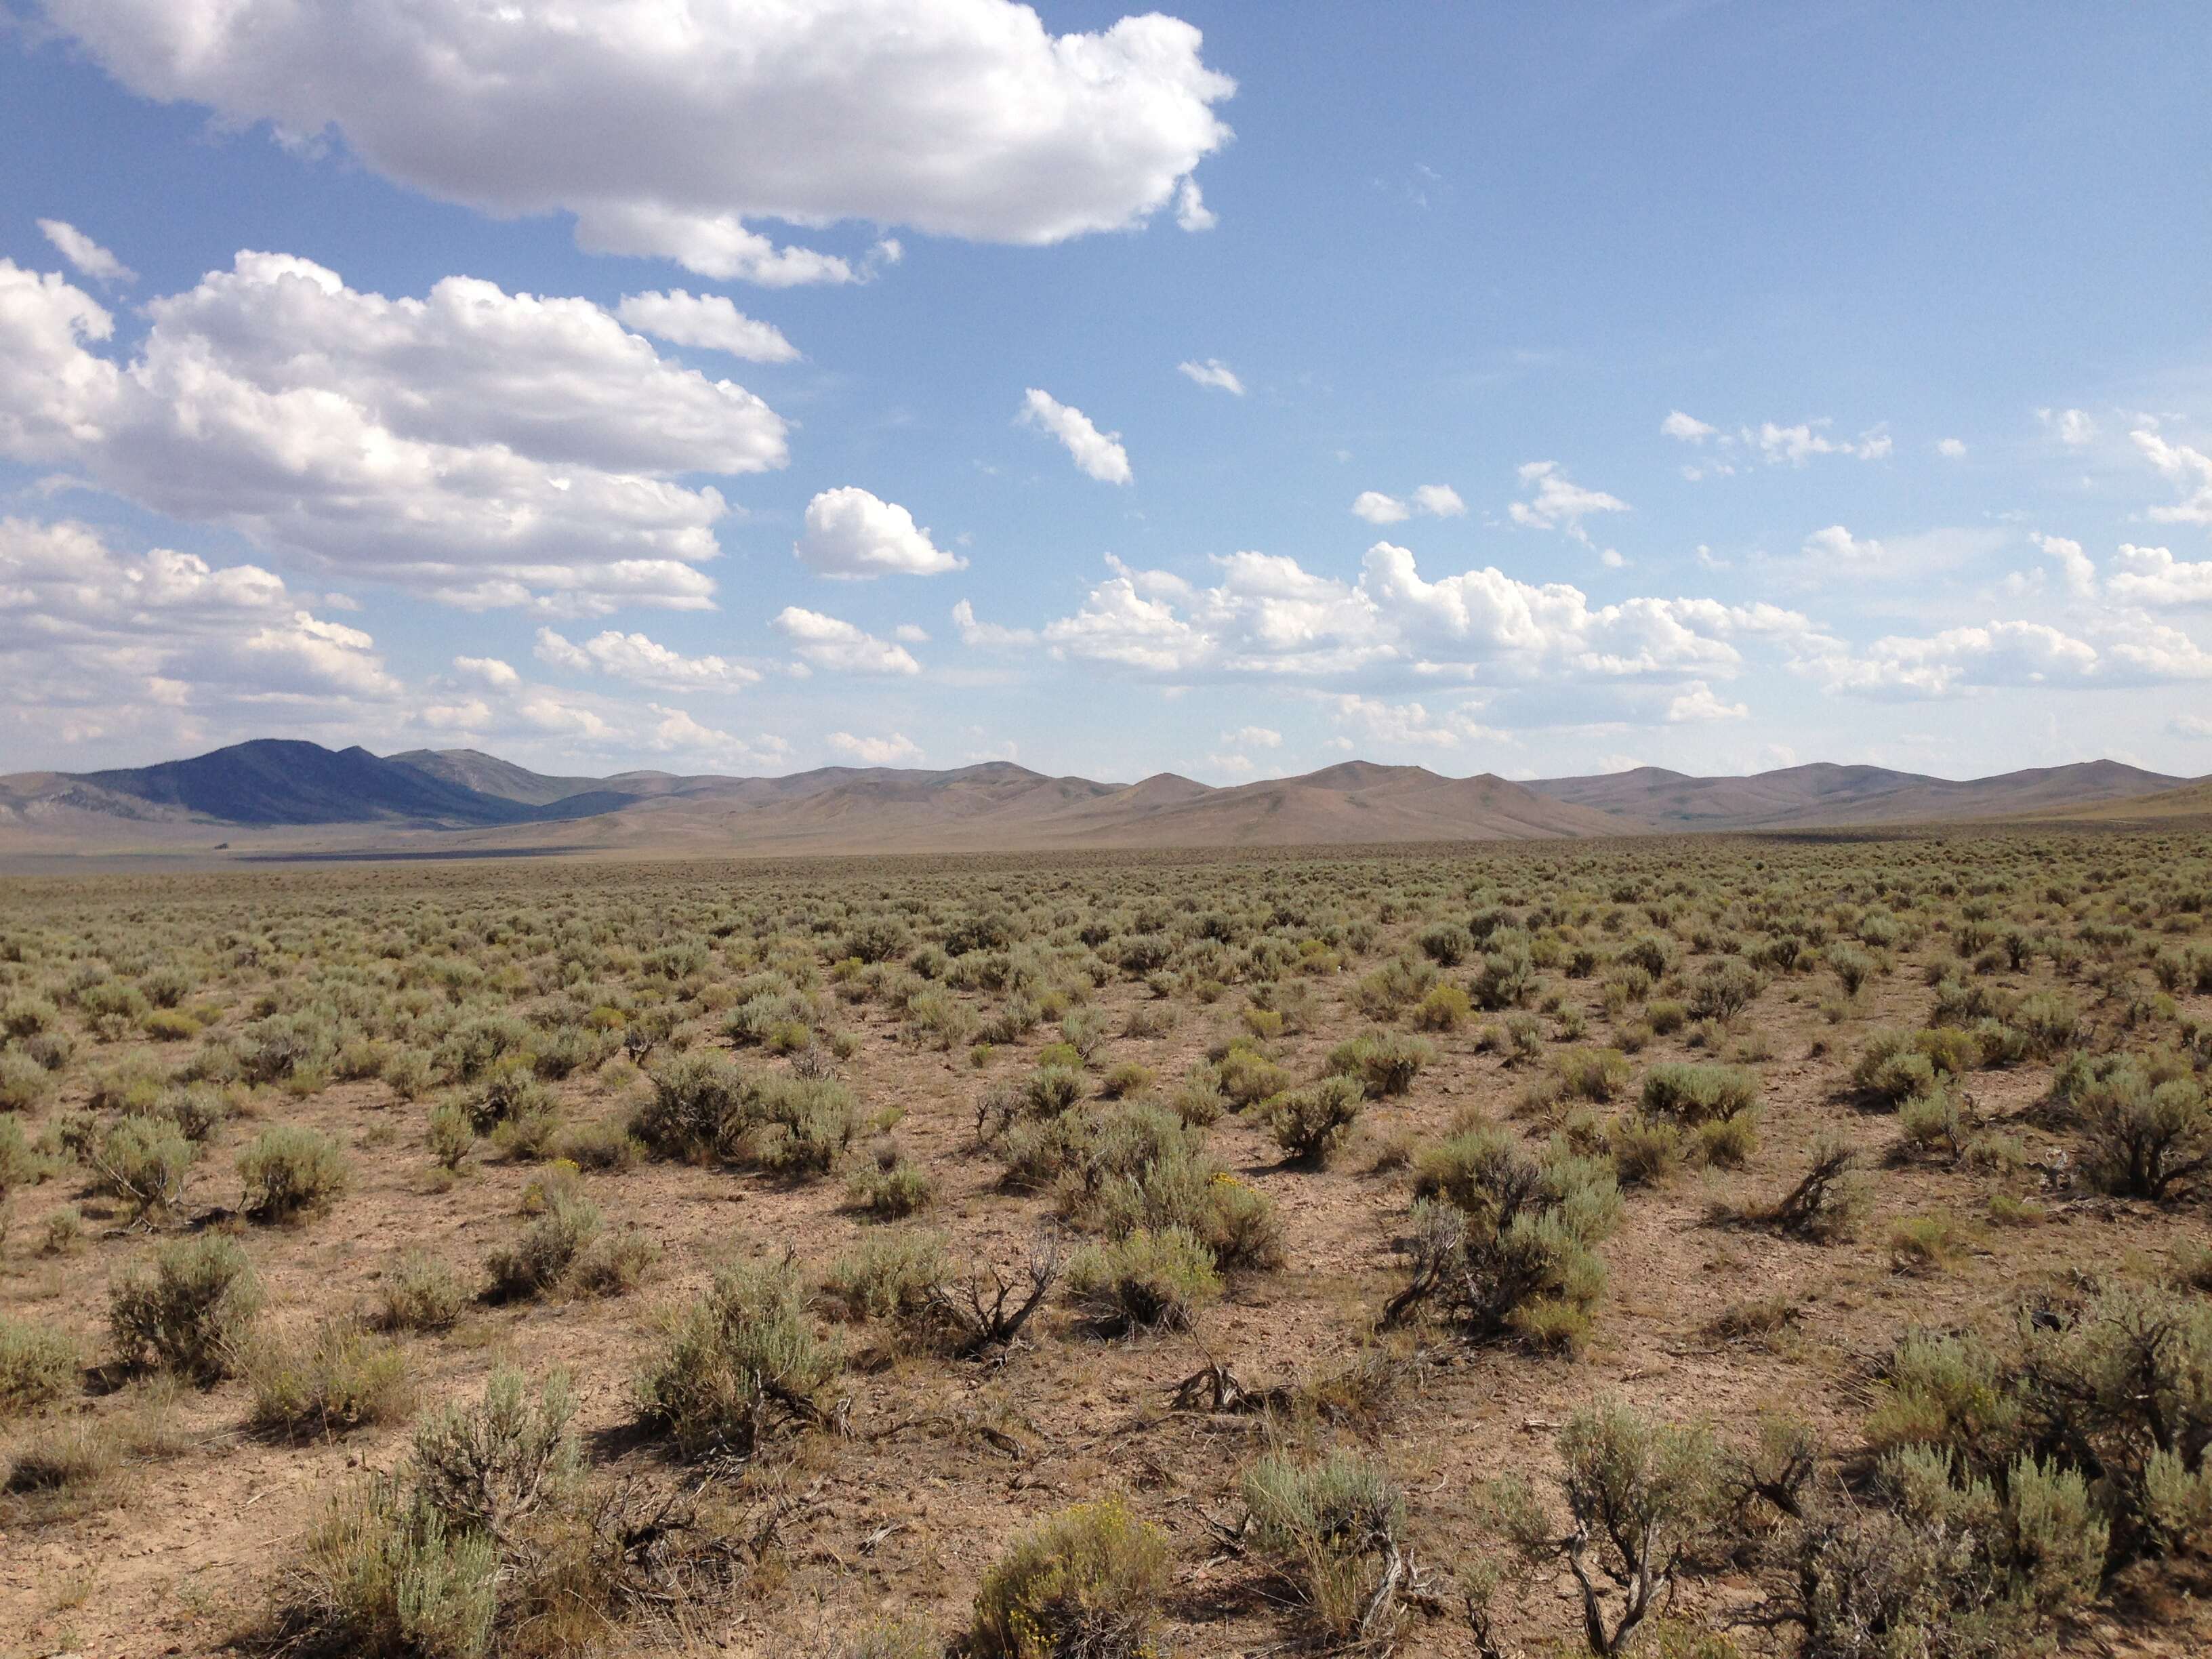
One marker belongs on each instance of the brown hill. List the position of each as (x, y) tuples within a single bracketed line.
[(1806, 796), (2191, 801)]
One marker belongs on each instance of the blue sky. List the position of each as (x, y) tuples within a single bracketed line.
[(1719, 386)]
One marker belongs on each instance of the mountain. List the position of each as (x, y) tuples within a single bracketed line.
[(2192, 800), (1802, 797), (271, 781), (488, 774), (301, 796)]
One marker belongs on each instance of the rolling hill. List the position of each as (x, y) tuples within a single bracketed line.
[(1806, 797), (300, 796)]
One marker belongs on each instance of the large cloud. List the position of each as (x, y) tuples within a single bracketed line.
[(833, 643), (852, 533), (485, 447), (642, 661), (1268, 615), (2152, 575), (664, 124), (101, 644)]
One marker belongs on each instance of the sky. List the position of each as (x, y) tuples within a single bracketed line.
[(749, 385)]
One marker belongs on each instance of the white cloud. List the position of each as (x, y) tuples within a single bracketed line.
[(673, 731), (896, 750), (911, 633), (1372, 722), (2075, 566), (1772, 443), (1212, 372), (86, 256), (1433, 501), (645, 119), (2191, 470), (482, 448), (1950, 449), (102, 646), (2191, 726), (1793, 446), (706, 320), (2015, 653), (1267, 615), (1192, 213), (2071, 427), (1556, 502), (1697, 702), (1253, 737), (1837, 550), (830, 642), (1238, 765), (642, 661), (1098, 454), (490, 671), (851, 533), (973, 632), (2153, 576)]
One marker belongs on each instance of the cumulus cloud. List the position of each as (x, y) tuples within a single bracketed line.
[(1212, 372), (1697, 702), (1268, 616), (1433, 501), (2153, 576), (644, 118), (832, 643), (488, 671), (2079, 570), (86, 256), (973, 632), (1373, 723), (1098, 454), (2191, 472), (1253, 737), (2001, 653), (1836, 548), (642, 661), (102, 645), (895, 749), (706, 320), (1950, 449), (1685, 428), (1555, 501), (851, 533), (483, 447)]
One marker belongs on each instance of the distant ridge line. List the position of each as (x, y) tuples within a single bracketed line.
[(286, 791)]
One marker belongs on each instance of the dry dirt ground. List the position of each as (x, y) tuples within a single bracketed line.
[(942, 1463)]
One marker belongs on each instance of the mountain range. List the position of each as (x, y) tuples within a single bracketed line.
[(294, 795)]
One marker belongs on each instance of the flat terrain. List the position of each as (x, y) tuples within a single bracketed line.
[(997, 1062)]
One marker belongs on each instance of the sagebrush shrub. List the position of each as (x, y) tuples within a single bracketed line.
[(1089, 1581), (333, 1379), (192, 1312), (742, 1358), (38, 1365), (1145, 1281), (1333, 1526), (289, 1170), (1311, 1122)]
